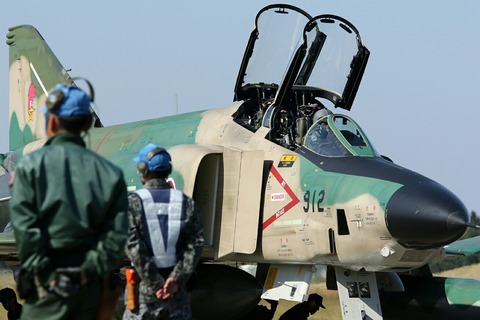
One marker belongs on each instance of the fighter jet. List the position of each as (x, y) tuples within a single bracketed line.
[(284, 178)]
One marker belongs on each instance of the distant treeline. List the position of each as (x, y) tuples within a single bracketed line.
[(451, 262)]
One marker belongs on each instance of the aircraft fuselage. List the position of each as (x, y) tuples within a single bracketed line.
[(362, 212)]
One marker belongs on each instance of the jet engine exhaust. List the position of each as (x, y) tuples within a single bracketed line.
[(425, 215)]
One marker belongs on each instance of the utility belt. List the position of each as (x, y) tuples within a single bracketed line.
[(165, 272), (66, 282)]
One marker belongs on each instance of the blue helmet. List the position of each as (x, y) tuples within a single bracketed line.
[(153, 158), (67, 101)]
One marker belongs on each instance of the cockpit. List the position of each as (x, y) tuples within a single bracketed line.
[(337, 136), (297, 68)]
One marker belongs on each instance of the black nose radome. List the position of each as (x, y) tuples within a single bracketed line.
[(425, 215)]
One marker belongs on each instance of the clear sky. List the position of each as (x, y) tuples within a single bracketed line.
[(417, 101)]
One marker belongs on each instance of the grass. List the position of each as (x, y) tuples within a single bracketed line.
[(330, 301), (332, 304), (6, 280), (330, 298)]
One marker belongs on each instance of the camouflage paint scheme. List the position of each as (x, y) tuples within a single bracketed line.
[(120, 143), (261, 201)]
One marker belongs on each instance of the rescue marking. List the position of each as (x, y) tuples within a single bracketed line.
[(277, 196), (288, 206), (286, 161)]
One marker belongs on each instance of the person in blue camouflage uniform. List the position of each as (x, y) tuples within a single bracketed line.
[(69, 214), (165, 240)]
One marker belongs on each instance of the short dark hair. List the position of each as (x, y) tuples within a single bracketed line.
[(158, 174), (76, 124)]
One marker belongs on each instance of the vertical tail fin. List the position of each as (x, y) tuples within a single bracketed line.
[(34, 71)]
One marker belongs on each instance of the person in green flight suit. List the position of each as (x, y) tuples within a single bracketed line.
[(69, 215)]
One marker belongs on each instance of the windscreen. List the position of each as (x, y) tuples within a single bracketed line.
[(338, 136), (322, 140)]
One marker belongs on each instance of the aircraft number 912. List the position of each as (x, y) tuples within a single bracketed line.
[(314, 199)]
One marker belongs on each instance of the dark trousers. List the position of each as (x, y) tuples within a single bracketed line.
[(83, 305)]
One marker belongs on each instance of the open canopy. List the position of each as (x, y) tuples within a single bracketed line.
[(277, 34), (295, 67), (291, 57)]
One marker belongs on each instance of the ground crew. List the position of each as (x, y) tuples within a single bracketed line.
[(69, 215), (303, 310), (261, 312), (8, 299), (164, 243)]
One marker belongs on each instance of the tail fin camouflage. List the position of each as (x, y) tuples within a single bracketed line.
[(34, 71)]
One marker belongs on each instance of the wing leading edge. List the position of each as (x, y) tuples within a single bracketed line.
[(464, 247)]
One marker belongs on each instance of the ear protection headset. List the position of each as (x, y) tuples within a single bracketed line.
[(142, 166), (56, 97)]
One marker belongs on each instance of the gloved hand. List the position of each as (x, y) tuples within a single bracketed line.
[(67, 281)]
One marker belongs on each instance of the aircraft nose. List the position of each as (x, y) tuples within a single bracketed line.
[(425, 215)]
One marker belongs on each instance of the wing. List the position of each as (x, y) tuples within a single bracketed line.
[(464, 247)]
